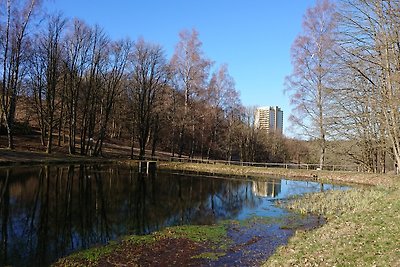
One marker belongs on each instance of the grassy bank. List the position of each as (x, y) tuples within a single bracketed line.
[(323, 176), (362, 230)]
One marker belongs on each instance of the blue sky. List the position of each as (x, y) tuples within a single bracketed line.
[(252, 36)]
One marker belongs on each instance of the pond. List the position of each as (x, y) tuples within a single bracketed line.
[(47, 212)]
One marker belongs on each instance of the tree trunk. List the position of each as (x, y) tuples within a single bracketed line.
[(50, 137), (10, 123)]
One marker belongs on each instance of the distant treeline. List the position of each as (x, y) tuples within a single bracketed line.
[(80, 87)]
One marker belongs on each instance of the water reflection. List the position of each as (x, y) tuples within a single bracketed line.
[(49, 211), (267, 189)]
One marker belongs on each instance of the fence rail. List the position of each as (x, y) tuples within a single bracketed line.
[(303, 166)]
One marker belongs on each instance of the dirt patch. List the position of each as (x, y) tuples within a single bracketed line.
[(28, 150), (165, 252)]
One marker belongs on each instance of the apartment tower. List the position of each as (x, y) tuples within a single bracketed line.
[(270, 119)]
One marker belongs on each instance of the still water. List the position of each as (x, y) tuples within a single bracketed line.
[(47, 212)]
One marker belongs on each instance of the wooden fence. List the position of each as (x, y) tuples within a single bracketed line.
[(303, 166)]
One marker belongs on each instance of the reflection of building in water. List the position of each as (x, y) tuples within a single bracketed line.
[(267, 189)]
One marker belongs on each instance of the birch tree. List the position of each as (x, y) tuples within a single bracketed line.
[(222, 100), (311, 83), (191, 74)]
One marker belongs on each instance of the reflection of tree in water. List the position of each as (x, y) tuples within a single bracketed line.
[(48, 212), (4, 209), (204, 200), (53, 213)]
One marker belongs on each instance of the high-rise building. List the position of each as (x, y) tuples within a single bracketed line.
[(269, 118)]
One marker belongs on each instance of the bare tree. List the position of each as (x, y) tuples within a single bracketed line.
[(370, 41), (191, 73), (113, 76), (37, 86), (311, 82), (222, 99), (248, 135), (148, 79), (13, 36), (90, 99), (173, 102), (46, 75), (78, 44), (232, 141)]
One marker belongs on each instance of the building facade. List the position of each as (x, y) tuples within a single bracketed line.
[(269, 119)]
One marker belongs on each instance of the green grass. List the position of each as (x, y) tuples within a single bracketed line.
[(199, 233), (363, 230), (141, 239), (88, 257), (215, 236)]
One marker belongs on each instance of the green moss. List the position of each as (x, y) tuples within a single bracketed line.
[(141, 239), (290, 226), (253, 220), (88, 257), (210, 255), (199, 233)]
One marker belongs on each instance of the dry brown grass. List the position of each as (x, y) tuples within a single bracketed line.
[(330, 176)]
